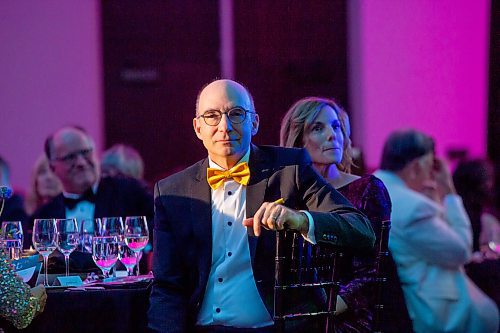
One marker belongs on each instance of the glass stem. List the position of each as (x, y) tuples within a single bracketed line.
[(66, 261), (45, 263), (137, 262)]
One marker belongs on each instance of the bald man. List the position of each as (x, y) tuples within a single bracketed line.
[(210, 275)]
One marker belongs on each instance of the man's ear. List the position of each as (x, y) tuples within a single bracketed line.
[(196, 127), (255, 124)]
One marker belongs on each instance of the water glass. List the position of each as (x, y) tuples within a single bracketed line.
[(136, 235), (12, 238), (44, 240), (88, 229), (105, 252), (128, 258), (67, 238)]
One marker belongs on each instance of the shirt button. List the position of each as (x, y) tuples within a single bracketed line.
[(229, 254), (217, 310), (220, 280), (229, 223), (229, 193)]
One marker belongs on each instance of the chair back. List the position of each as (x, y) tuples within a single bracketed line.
[(306, 284)]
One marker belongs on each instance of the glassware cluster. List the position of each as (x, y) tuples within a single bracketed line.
[(108, 239)]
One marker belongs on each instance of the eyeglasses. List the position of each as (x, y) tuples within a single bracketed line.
[(72, 157), (236, 115)]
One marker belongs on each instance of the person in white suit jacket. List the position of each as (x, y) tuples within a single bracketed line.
[(431, 240)]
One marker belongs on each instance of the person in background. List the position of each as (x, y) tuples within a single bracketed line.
[(86, 195), (321, 126), (18, 303), (44, 185), (14, 206), (122, 160), (431, 239), (475, 183), (210, 275)]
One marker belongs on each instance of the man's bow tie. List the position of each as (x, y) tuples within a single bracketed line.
[(89, 195), (240, 173)]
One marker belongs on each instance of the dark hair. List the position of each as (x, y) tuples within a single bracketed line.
[(47, 146), (404, 146), (471, 179)]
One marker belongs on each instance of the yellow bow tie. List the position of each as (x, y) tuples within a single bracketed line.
[(240, 173)]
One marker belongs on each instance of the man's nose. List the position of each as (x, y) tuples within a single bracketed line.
[(225, 124), (80, 160)]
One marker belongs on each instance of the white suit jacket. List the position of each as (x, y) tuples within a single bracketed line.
[(430, 244)]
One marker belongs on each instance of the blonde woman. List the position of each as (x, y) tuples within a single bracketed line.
[(321, 126)]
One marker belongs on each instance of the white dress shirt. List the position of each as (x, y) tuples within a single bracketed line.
[(231, 297)]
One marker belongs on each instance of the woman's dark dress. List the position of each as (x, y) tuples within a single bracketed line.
[(369, 195)]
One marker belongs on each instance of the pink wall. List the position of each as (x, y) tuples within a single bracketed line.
[(50, 76), (420, 64), (413, 63)]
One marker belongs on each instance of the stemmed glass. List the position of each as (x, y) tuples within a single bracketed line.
[(12, 237), (88, 229), (136, 235), (105, 252), (44, 240), (67, 238), (108, 243), (128, 258)]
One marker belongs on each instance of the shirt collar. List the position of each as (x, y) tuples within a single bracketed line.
[(76, 196), (214, 165)]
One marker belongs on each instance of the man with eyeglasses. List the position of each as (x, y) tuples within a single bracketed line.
[(210, 274), (72, 157)]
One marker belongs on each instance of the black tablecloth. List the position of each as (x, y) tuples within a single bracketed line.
[(110, 310)]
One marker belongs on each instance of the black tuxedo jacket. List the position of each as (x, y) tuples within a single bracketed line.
[(114, 197), (183, 229)]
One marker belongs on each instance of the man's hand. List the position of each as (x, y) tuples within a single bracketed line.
[(274, 216), (443, 178)]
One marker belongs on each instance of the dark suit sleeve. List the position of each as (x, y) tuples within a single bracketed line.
[(168, 300), (336, 221)]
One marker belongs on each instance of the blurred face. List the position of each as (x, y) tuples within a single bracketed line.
[(227, 141), (47, 184), (73, 160), (323, 139), (423, 173)]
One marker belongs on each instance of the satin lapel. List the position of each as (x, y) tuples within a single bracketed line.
[(201, 217), (256, 189)]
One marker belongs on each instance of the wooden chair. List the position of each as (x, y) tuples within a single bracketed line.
[(390, 314), (381, 264), (306, 274)]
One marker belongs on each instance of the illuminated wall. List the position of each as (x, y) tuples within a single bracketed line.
[(50, 76), (420, 64)]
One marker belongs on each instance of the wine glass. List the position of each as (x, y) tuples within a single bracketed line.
[(44, 240), (12, 237), (113, 226), (105, 252), (88, 229), (136, 235), (128, 258), (67, 238)]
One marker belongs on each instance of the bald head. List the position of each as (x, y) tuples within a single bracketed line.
[(231, 90), (228, 138)]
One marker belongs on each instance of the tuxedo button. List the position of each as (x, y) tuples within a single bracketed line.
[(229, 193), (229, 254), (229, 223), (217, 310), (220, 279)]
